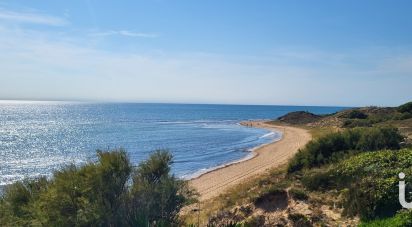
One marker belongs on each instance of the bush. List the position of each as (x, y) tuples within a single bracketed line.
[(373, 190), (333, 146), (353, 123), (15, 204), (89, 195), (401, 219), (97, 194), (369, 182), (156, 194), (356, 114), (273, 191), (299, 220), (402, 116), (317, 179), (273, 200), (257, 220), (298, 194), (407, 107), (379, 138)]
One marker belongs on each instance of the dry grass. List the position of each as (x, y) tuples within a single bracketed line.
[(318, 132), (315, 131), (240, 194), (254, 188), (249, 190)]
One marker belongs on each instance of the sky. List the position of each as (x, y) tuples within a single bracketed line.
[(335, 53)]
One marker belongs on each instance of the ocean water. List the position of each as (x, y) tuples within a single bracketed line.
[(37, 138)]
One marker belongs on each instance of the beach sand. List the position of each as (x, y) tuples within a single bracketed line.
[(271, 155)]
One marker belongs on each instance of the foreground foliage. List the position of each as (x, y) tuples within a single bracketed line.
[(372, 182), (109, 192), (402, 219), (368, 181), (362, 164)]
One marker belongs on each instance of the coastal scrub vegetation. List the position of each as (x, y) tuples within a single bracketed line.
[(363, 165), (108, 192), (368, 182), (360, 165), (332, 147), (351, 118), (368, 117), (346, 170), (347, 175), (405, 108), (356, 114), (401, 219)]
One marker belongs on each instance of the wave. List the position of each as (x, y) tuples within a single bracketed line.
[(207, 170), (250, 155), (267, 135)]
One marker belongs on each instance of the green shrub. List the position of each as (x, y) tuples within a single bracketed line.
[(89, 195), (377, 118), (373, 190), (356, 114), (98, 194), (402, 116), (298, 194), (372, 119), (156, 194), (379, 138), (299, 220), (275, 190), (353, 123), (407, 107), (333, 146), (257, 220), (370, 181), (16, 202), (402, 219), (318, 179)]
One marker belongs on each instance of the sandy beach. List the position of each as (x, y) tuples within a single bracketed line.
[(271, 155)]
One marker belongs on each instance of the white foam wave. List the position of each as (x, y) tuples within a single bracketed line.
[(267, 135), (250, 155), (206, 170)]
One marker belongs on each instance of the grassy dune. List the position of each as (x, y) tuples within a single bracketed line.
[(346, 176)]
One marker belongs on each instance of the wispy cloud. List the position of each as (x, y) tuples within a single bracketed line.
[(125, 33), (44, 65), (31, 18)]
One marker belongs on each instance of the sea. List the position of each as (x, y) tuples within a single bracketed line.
[(38, 138)]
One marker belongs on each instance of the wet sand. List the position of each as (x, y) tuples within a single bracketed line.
[(268, 156)]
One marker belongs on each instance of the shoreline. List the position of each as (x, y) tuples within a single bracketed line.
[(251, 154), (265, 156)]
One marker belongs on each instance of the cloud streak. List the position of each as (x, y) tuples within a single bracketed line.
[(31, 18), (125, 33), (43, 65)]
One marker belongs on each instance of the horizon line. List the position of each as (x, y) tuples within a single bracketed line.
[(84, 101)]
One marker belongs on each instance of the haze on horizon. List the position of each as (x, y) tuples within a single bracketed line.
[(341, 53)]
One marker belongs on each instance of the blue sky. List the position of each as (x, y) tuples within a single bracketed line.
[(349, 53)]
